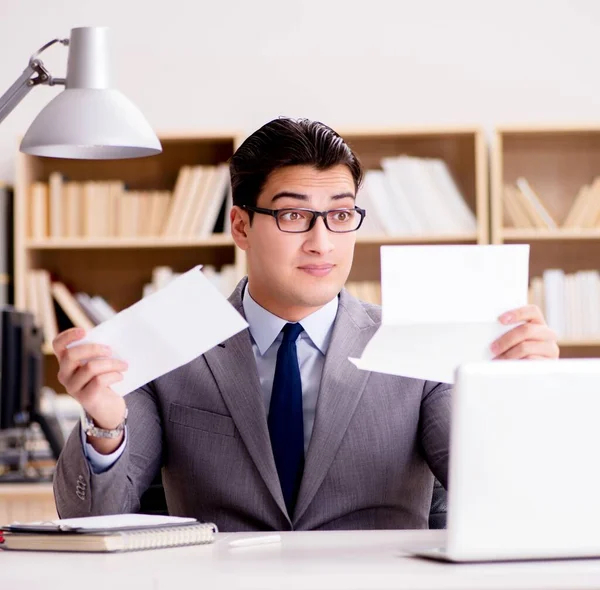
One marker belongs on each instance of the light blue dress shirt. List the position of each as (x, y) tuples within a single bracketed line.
[(265, 330)]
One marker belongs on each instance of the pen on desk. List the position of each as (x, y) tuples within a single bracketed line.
[(252, 541)]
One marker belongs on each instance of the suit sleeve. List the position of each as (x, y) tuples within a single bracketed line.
[(434, 427), (78, 491)]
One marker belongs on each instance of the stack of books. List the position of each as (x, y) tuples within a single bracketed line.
[(570, 302), (413, 196), (197, 206), (524, 209)]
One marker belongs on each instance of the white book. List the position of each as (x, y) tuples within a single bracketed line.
[(554, 297), (372, 225), (429, 203), (215, 196), (178, 201), (406, 217), (375, 186), (161, 276), (570, 326), (193, 200), (200, 200), (596, 302), (387, 204), (591, 309), (537, 292), (533, 198), (465, 217), (103, 307), (86, 303)]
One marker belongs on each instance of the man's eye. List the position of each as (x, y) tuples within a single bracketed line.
[(291, 216), (342, 216)]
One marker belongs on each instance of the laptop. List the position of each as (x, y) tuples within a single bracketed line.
[(524, 473)]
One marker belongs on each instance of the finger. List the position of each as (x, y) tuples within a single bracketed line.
[(72, 358), (520, 334), (528, 313), (529, 348), (59, 344), (98, 384), (82, 376), (85, 352)]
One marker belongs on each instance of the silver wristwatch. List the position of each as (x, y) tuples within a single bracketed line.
[(91, 429)]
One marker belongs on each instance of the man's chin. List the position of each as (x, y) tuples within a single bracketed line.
[(316, 292)]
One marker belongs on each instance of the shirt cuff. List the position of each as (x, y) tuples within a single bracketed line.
[(99, 462)]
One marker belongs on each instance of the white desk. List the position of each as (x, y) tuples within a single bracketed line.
[(307, 560)]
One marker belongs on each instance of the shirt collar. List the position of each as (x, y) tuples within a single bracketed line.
[(265, 326)]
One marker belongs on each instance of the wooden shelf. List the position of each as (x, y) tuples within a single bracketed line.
[(561, 234), (418, 239), (557, 161), (574, 343), (124, 243), (462, 149)]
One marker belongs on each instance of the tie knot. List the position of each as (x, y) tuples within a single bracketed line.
[(291, 332)]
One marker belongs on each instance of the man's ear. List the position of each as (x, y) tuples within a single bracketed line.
[(240, 224)]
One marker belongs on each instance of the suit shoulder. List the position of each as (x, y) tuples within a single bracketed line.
[(372, 310)]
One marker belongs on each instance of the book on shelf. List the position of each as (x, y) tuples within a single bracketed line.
[(113, 533), (411, 196), (196, 208), (56, 308), (525, 209), (570, 302)]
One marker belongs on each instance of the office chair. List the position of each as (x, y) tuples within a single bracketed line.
[(439, 507)]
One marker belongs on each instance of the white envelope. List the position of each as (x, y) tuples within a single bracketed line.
[(441, 306), (167, 329)]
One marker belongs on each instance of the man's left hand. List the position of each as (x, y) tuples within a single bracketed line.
[(531, 340)]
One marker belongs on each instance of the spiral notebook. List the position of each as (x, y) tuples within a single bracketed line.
[(114, 533)]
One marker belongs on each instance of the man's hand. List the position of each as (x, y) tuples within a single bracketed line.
[(87, 371), (531, 340)]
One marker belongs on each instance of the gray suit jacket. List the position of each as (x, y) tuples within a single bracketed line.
[(376, 441)]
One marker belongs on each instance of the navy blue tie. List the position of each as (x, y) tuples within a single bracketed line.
[(286, 427)]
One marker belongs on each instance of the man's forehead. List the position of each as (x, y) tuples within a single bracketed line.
[(294, 178)]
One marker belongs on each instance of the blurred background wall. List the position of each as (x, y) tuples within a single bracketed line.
[(234, 65)]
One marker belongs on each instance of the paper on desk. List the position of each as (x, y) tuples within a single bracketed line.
[(167, 329), (441, 306)]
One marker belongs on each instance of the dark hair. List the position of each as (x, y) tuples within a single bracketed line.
[(287, 142)]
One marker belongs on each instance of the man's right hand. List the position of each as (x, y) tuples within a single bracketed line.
[(87, 371)]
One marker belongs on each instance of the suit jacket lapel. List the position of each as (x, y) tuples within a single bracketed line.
[(234, 369), (342, 385)]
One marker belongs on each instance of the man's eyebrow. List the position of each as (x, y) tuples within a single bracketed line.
[(303, 197)]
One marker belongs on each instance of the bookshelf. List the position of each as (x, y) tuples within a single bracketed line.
[(463, 149), (560, 164), (117, 268)]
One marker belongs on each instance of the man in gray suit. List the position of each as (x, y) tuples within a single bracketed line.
[(275, 429)]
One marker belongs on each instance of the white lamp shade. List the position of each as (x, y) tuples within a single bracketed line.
[(90, 123)]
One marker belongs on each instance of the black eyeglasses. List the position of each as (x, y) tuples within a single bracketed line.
[(298, 220)]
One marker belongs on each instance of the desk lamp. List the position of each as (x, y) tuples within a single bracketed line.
[(89, 120)]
